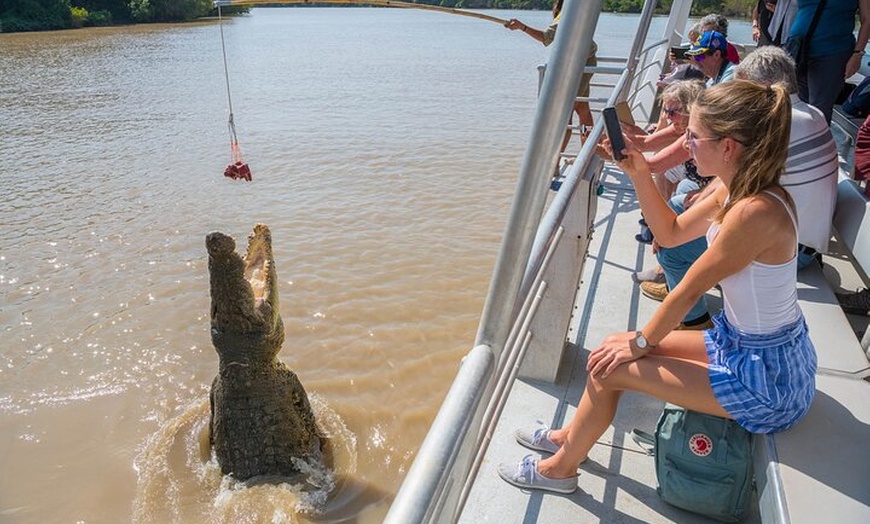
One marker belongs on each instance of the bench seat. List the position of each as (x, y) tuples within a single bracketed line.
[(819, 470), (848, 123), (852, 220), (837, 347)]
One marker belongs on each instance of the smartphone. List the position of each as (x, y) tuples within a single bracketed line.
[(679, 52), (614, 132)]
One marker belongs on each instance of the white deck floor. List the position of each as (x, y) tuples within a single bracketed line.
[(617, 484)]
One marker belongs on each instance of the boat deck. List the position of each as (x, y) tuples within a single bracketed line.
[(617, 483)]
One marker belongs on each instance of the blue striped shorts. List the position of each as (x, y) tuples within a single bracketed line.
[(765, 382)]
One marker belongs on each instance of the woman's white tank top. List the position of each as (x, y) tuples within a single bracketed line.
[(761, 298)]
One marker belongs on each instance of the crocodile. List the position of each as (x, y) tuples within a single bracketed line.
[(261, 422)]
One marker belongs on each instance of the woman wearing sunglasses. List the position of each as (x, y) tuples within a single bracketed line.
[(757, 365)]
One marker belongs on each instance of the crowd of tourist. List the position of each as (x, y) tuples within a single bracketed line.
[(739, 199)]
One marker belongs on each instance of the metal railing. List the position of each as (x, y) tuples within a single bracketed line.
[(439, 481)]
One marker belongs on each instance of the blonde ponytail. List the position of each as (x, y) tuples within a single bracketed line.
[(757, 116)]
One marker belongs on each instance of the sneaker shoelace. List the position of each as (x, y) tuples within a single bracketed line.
[(540, 434), (526, 468)]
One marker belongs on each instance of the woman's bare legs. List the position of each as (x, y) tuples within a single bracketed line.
[(674, 371)]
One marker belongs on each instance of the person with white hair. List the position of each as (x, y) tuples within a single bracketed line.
[(811, 167)]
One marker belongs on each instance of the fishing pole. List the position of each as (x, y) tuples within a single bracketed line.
[(380, 3), (238, 169)]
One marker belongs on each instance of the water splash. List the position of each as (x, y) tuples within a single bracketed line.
[(179, 480)]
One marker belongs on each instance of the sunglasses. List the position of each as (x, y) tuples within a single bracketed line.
[(670, 113), (699, 58), (692, 140)]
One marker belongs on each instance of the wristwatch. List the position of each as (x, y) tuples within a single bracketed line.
[(641, 341)]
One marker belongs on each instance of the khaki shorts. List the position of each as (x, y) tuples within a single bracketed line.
[(591, 61)]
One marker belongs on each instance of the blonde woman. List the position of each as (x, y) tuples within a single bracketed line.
[(757, 364)]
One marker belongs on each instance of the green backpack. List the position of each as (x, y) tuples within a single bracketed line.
[(703, 463)]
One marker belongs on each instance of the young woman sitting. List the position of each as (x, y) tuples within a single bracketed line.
[(757, 364)]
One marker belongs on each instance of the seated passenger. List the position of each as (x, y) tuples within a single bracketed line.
[(718, 23), (710, 53), (810, 176), (812, 166), (757, 366), (678, 183)]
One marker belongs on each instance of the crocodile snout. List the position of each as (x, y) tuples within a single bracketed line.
[(218, 244)]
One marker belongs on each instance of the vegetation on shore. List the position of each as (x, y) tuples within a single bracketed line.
[(40, 15)]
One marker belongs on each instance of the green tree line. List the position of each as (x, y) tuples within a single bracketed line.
[(39, 15)]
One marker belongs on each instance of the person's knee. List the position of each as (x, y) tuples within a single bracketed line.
[(617, 381)]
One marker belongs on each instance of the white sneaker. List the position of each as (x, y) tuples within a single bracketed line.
[(649, 275), (524, 475), (537, 439)]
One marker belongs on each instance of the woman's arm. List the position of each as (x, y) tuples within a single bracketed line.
[(513, 24), (756, 31), (752, 229), (655, 141), (854, 63), (669, 156), (669, 228)]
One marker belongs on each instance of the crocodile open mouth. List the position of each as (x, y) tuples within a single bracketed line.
[(244, 290), (257, 261)]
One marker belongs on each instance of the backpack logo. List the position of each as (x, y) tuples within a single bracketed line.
[(700, 444)]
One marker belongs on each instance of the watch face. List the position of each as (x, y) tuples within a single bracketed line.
[(641, 341)]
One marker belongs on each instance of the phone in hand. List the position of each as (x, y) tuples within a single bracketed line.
[(614, 132), (679, 52)]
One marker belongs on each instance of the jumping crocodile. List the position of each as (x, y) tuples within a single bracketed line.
[(261, 419)]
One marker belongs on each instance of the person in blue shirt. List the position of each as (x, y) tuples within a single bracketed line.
[(834, 53)]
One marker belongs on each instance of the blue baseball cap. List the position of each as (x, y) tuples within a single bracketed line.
[(709, 42)]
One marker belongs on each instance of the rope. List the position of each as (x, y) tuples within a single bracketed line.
[(234, 139)]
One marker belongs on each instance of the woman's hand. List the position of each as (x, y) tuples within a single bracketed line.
[(616, 349), (634, 164), (513, 24), (756, 33), (854, 64), (633, 131)]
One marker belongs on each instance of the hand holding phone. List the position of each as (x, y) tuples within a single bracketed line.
[(614, 132), (678, 52)]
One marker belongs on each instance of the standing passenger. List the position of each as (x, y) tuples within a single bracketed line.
[(546, 37), (834, 53), (761, 15)]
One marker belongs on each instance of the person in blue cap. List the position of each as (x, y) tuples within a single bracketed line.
[(710, 54)]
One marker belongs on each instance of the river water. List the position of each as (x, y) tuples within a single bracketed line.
[(384, 146)]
